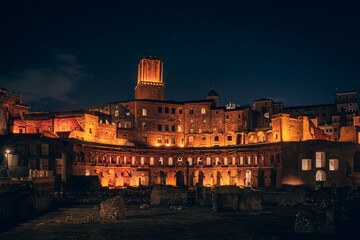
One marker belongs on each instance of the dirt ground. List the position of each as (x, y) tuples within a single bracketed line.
[(83, 222)]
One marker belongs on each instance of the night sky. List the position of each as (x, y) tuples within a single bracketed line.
[(75, 54)]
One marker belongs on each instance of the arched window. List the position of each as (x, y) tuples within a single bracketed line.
[(144, 112), (199, 161), (217, 161), (191, 139), (111, 159), (170, 161), (142, 160), (225, 161), (203, 111), (320, 176), (255, 160), (104, 159), (233, 160), (133, 160), (161, 162), (151, 161), (208, 161)]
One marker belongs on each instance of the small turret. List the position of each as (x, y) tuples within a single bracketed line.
[(212, 95)]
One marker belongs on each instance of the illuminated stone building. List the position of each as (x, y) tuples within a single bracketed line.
[(149, 140)]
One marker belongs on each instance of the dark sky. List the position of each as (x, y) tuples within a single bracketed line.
[(74, 54)]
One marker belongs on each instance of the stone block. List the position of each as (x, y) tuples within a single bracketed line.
[(113, 209)]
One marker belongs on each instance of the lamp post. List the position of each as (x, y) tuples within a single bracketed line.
[(7, 152)]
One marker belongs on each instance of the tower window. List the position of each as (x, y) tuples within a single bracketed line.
[(203, 111)]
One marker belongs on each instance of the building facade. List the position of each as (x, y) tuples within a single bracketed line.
[(149, 140)]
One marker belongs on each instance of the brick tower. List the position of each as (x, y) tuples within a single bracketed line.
[(150, 83)]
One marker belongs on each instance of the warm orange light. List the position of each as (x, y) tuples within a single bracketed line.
[(167, 144), (182, 145)]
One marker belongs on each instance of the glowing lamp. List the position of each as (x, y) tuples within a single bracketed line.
[(7, 151), (182, 145), (167, 144)]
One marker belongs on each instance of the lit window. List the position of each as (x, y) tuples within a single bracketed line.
[(320, 159), (151, 161), (133, 160), (241, 160), (173, 140), (142, 160), (144, 112), (116, 113), (191, 130), (217, 161), (179, 128), (333, 164), (225, 161), (199, 161), (159, 140), (170, 161), (200, 131), (255, 159), (191, 139), (166, 140), (208, 161), (111, 159), (306, 164), (144, 126), (125, 160), (161, 161), (118, 160), (190, 161), (248, 160), (203, 111)]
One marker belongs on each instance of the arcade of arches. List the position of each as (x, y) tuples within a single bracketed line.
[(122, 167)]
